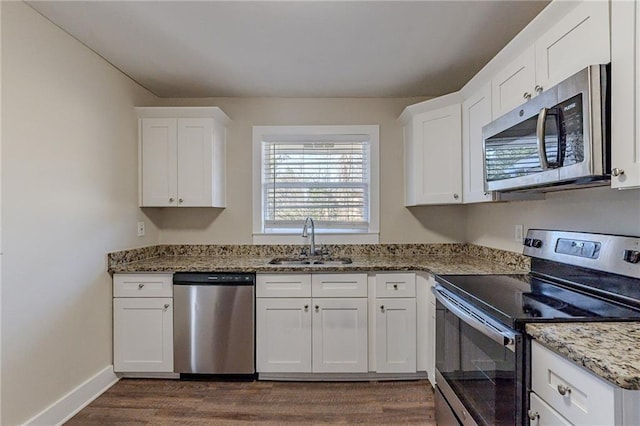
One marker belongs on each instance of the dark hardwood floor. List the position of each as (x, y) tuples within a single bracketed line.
[(164, 402)]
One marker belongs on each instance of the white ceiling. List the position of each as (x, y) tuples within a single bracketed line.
[(296, 48)]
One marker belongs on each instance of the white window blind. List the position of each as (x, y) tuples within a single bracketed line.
[(325, 177)]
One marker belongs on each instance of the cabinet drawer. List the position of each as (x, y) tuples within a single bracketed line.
[(143, 285), (396, 285), (339, 285), (588, 399), (542, 415), (283, 285)]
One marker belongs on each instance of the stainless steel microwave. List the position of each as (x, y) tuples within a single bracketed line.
[(558, 140)]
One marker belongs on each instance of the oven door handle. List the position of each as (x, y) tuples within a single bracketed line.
[(505, 338)]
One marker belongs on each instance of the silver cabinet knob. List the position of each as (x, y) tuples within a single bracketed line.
[(617, 172), (166, 306), (564, 390), (526, 95), (538, 89), (381, 308), (306, 308), (395, 286), (456, 196), (180, 200), (533, 415), (317, 308), (140, 285), (171, 200)]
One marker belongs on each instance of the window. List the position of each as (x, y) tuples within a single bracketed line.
[(328, 173)]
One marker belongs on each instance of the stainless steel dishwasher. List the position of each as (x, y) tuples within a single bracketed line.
[(213, 323)]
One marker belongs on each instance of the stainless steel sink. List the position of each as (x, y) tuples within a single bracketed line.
[(294, 261)]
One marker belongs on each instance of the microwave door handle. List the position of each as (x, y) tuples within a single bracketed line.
[(540, 136), (507, 340)]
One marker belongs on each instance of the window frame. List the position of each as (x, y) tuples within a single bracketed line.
[(262, 133)]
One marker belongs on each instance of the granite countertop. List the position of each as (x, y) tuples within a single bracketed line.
[(437, 264), (608, 349)]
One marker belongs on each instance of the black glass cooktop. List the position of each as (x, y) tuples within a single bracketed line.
[(515, 300)]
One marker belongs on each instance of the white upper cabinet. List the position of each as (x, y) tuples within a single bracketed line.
[(476, 113), (182, 157), (575, 41), (433, 152), (625, 94), (578, 40), (514, 84)]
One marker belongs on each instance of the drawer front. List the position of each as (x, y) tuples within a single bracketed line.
[(396, 285), (339, 285), (587, 399), (143, 285), (541, 414), (283, 285)]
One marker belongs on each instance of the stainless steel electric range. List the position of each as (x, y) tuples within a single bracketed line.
[(482, 353)]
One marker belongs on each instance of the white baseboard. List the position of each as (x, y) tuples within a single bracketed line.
[(67, 406)]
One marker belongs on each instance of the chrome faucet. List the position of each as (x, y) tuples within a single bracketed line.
[(312, 243)]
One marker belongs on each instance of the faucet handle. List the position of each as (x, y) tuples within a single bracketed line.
[(324, 251), (303, 252)]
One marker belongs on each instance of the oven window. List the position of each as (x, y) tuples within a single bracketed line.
[(480, 371)]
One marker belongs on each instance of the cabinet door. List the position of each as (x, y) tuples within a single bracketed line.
[(543, 415), (476, 113), (578, 40), (514, 84), (438, 173), (143, 335), (195, 159), (625, 93), (283, 335), (158, 151), (340, 335), (396, 335)]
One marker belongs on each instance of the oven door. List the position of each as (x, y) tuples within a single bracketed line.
[(478, 364)]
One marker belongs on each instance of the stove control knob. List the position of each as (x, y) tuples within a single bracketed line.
[(536, 243), (631, 256)]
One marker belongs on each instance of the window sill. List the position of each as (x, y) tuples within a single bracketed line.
[(337, 238)]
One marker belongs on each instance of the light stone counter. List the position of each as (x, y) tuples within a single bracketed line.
[(611, 350)]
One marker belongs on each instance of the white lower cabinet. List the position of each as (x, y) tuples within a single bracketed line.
[(283, 335), (396, 335), (564, 393), (143, 323), (339, 335), (299, 334), (142, 334)]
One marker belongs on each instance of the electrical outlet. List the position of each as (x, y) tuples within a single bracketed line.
[(519, 233), (141, 229)]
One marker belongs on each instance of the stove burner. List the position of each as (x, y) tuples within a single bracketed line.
[(545, 300)]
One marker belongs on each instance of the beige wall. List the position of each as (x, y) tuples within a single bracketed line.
[(233, 224), (603, 210), (69, 196)]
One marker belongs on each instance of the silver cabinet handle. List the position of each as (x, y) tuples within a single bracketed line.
[(456, 196), (317, 308), (180, 200), (538, 88), (617, 172), (533, 415), (140, 285), (171, 200), (306, 308), (166, 306), (526, 95), (564, 390), (381, 308), (395, 286)]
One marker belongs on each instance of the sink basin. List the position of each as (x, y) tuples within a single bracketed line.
[(295, 261)]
